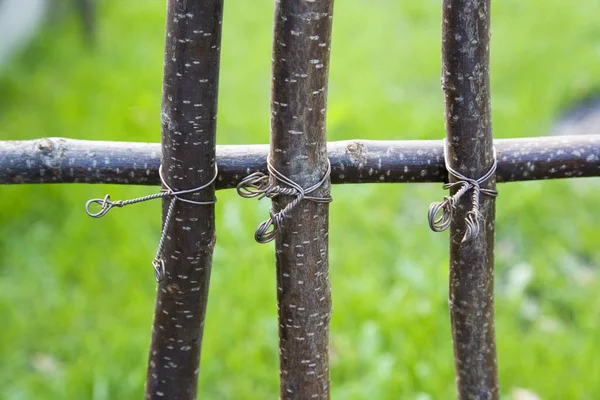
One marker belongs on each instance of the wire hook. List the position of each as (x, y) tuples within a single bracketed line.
[(105, 206)]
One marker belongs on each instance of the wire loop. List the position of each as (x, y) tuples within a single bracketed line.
[(441, 213), (106, 205), (260, 185)]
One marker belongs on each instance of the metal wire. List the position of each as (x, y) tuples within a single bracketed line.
[(445, 208), (261, 186), (106, 205)]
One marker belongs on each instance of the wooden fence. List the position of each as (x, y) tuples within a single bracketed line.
[(296, 171)]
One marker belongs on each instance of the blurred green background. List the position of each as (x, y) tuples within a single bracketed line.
[(77, 294)]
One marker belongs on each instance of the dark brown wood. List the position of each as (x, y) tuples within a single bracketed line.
[(189, 112), (466, 86), (58, 160), (301, 48)]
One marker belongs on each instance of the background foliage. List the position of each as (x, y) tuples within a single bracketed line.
[(76, 294)]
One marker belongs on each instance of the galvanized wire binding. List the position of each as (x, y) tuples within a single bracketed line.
[(106, 205), (464, 184), (261, 186)]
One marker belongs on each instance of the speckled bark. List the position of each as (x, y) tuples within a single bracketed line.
[(189, 110), (58, 160), (465, 82), (301, 47)]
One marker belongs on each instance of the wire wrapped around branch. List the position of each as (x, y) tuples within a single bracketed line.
[(440, 213), (261, 186), (106, 205)]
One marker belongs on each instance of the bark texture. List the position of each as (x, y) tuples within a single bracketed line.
[(189, 110), (301, 47), (465, 82), (59, 160)]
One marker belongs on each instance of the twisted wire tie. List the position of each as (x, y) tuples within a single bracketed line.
[(446, 207), (260, 185), (106, 205)]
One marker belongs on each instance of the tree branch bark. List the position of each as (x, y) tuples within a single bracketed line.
[(301, 47), (465, 82), (189, 112), (59, 160)]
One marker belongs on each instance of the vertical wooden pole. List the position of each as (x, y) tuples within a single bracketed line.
[(301, 48), (466, 86), (189, 112)]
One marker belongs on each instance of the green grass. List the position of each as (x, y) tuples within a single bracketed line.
[(77, 295)]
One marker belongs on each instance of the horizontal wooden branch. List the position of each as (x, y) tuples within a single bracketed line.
[(59, 160)]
